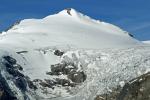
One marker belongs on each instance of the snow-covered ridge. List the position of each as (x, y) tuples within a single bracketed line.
[(68, 27), (86, 19), (75, 15)]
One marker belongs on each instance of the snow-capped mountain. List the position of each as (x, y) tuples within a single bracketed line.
[(67, 56), (68, 27)]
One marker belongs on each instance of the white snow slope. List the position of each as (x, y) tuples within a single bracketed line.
[(146, 42), (107, 54), (63, 29)]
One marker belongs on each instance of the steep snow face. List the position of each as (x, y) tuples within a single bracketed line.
[(69, 28)]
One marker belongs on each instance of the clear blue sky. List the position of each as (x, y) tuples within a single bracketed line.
[(131, 15)]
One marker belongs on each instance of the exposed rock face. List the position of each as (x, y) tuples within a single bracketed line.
[(17, 77), (5, 92), (69, 69), (136, 89), (69, 11), (58, 53), (10, 59), (13, 69)]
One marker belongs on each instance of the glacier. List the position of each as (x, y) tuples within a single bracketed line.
[(68, 56)]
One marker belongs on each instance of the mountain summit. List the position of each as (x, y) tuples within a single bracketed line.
[(68, 27), (69, 11)]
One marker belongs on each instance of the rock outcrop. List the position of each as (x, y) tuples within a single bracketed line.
[(136, 89)]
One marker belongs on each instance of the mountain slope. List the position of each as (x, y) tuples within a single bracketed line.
[(146, 42), (67, 56), (68, 27)]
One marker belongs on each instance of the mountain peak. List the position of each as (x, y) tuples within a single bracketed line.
[(70, 27), (69, 11)]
